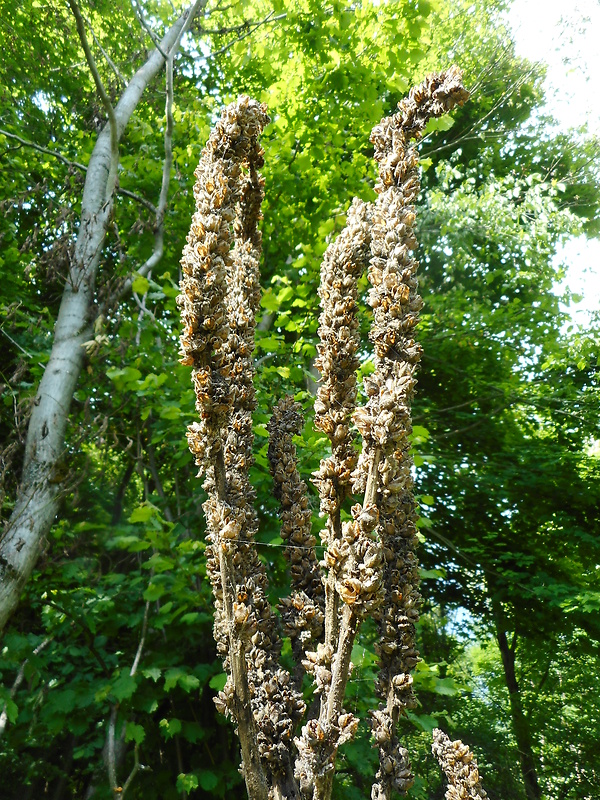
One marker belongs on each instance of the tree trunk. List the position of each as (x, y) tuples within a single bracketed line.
[(519, 719), (38, 497)]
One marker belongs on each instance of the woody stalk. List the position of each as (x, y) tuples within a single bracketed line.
[(369, 565)]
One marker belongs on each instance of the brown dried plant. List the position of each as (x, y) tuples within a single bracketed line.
[(459, 766), (370, 565)]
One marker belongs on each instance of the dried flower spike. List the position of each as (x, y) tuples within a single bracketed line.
[(459, 766), (302, 612), (219, 300), (385, 421), (370, 559)]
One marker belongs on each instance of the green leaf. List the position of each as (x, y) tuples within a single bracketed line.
[(189, 682), (269, 301), (208, 779), (152, 672), (187, 782), (431, 573), (124, 687), (140, 285), (11, 709), (170, 728), (141, 514), (424, 722), (218, 682), (154, 592), (190, 618), (179, 676), (134, 733)]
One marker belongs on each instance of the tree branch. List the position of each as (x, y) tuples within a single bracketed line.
[(140, 649), (161, 208), (132, 774), (114, 136), (247, 32), (245, 26), (18, 682), (42, 149), (107, 58), (148, 29), (110, 750), (47, 151)]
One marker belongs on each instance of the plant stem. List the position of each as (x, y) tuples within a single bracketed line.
[(256, 782), (331, 707)]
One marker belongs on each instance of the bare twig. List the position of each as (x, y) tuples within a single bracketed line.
[(115, 750), (110, 112), (247, 32), (140, 649), (161, 208), (18, 682), (247, 27), (76, 165), (107, 58), (147, 28), (133, 773)]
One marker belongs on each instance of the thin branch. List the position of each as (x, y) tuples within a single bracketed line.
[(47, 151), (248, 32), (110, 754), (134, 770), (161, 208), (42, 149), (247, 26), (148, 29), (476, 424), (107, 58), (18, 682), (140, 649), (168, 162), (114, 137), (141, 304), (16, 344), (476, 126)]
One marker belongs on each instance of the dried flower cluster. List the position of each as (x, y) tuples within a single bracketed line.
[(384, 422), (459, 766), (369, 565), (302, 612), (219, 299)]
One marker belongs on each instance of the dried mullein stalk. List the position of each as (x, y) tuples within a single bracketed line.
[(344, 263), (219, 301), (302, 612), (459, 766), (370, 558), (385, 422)]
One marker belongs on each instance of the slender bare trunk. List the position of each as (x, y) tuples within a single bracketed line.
[(519, 718), (38, 498)]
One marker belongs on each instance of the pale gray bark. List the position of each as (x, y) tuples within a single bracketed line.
[(37, 502)]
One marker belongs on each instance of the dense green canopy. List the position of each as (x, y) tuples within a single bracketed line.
[(112, 635)]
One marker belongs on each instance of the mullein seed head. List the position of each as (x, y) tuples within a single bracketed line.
[(459, 766)]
